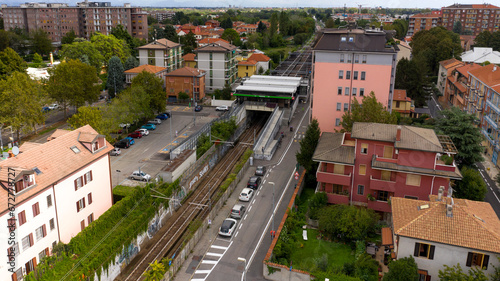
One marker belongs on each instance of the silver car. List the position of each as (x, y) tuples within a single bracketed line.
[(115, 152), (155, 121), (237, 211), (140, 175)]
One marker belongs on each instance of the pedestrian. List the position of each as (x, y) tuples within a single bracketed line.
[(176, 133)]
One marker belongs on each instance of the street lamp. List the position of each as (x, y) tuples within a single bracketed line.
[(273, 203), (245, 268), (194, 104)]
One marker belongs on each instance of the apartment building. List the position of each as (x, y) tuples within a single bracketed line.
[(474, 18), (348, 64), (158, 71), (402, 104), (446, 231), (85, 18), (189, 60), (445, 69), (60, 187), (456, 90), (219, 61), (376, 162), (420, 22), (163, 53), (188, 80)]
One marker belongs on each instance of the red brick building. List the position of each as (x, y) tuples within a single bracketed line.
[(423, 22), (474, 18), (187, 80)]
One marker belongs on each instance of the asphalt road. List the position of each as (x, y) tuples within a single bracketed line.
[(493, 195), (434, 107)]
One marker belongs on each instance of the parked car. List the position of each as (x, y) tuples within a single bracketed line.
[(123, 144), (130, 140), (135, 135), (115, 152), (144, 132), (167, 113), (149, 127), (253, 182), (155, 121), (222, 108), (246, 194), (140, 175), (162, 116), (228, 227), (45, 109), (198, 108), (53, 106), (237, 211), (260, 171)]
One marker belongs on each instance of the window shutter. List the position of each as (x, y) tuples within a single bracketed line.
[(83, 202), (90, 175), (33, 207), (84, 179), (47, 253), (428, 278), (76, 185), (34, 262), (485, 262), (14, 276), (77, 207), (431, 252), (44, 230), (469, 259), (31, 240), (90, 198), (417, 248)]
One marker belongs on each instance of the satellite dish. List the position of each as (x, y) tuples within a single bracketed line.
[(15, 150)]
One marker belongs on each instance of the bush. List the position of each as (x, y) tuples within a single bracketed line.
[(183, 96), (348, 223), (318, 201)]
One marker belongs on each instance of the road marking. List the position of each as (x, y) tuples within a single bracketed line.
[(214, 254), (245, 217), (219, 247), (240, 226), (253, 201), (235, 235), (258, 193), (197, 279), (202, 271), (263, 182), (249, 208), (209, 261)]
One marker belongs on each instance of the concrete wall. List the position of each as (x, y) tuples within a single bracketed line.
[(171, 176), (216, 102)]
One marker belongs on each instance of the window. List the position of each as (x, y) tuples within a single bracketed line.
[(80, 204), (82, 224), (362, 170), (354, 91), (90, 218), (477, 259), (423, 250), (14, 249), (361, 92), (355, 75), (27, 241), (343, 39), (337, 122), (346, 106), (36, 209), (361, 189), (339, 105), (413, 180), (356, 58), (338, 169), (364, 148), (88, 177), (49, 200), (337, 188), (21, 217), (349, 58), (30, 265), (52, 224), (341, 57), (89, 198), (43, 254), (382, 196), (40, 232), (341, 74), (339, 91), (348, 75), (411, 197), (346, 91), (351, 39), (78, 183), (363, 75), (364, 59)]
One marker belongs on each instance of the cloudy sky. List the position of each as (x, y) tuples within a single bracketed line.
[(275, 3)]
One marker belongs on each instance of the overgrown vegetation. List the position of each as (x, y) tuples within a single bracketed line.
[(220, 131)]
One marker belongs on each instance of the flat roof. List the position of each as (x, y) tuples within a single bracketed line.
[(258, 82), (267, 89), (269, 77)]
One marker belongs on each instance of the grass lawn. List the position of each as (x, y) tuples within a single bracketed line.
[(304, 258)]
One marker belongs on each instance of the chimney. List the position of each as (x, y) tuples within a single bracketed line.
[(495, 68), (398, 133), (450, 191), (449, 210), (440, 193)]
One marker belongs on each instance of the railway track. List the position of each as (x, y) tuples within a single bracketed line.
[(196, 207)]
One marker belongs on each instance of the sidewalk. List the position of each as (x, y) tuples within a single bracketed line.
[(490, 168)]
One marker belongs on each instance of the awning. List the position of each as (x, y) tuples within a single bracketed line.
[(386, 236)]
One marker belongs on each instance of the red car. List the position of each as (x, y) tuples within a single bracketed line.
[(135, 135)]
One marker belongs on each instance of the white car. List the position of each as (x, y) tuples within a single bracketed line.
[(53, 106), (144, 132), (123, 125), (228, 227), (155, 121), (115, 152), (246, 194), (140, 175), (222, 108)]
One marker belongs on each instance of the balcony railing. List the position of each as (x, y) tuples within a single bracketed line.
[(388, 160), (337, 198), (334, 178), (381, 206), (383, 185)]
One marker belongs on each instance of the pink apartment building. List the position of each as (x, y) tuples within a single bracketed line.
[(378, 161), (349, 64), (59, 188)]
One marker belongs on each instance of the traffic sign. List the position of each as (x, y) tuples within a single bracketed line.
[(296, 175)]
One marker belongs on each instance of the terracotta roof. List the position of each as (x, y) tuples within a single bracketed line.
[(447, 64), (247, 62), (189, 57), (187, 71), (425, 16), (330, 149), (146, 67), (489, 75), (160, 44), (259, 57), (28, 145), (216, 47), (57, 133), (212, 40), (55, 159), (473, 224), (464, 70), (412, 138), (400, 95)]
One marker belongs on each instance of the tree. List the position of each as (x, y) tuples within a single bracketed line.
[(330, 23), (84, 51), (402, 269), (284, 22), (20, 102), (370, 110), (152, 20), (308, 145), (40, 42), (121, 33), (89, 115), (455, 273), (226, 23), (109, 46), (116, 78), (457, 27), (411, 76), (73, 83), (4, 39), (471, 186), (261, 27), (274, 24), (155, 272), (232, 36), (189, 42), (69, 37), (131, 63), (11, 62), (170, 33), (483, 39), (366, 268), (466, 137), (153, 86), (37, 58)]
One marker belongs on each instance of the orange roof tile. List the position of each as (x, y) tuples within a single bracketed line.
[(160, 44), (259, 57), (186, 71), (247, 62), (489, 74), (399, 95), (473, 225), (447, 64), (426, 16), (212, 40), (57, 133), (484, 6), (146, 67), (189, 57), (28, 145), (464, 70), (55, 159)]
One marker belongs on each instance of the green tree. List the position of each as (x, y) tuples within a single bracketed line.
[(93, 116), (4, 39), (84, 51), (21, 101), (183, 96), (170, 33), (284, 22), (10, 62), (131, 62), (316, 203), (411, 76), (153, 86), (73, 83), (232, 36), (483, 39), (69, 37), (226, 23), (308, 145), (274, 24), (457, 27), (116, 77), (189, 43), (132, 105), (455, 273), (109, 46), (40, 42), (152, 20), (496, 274), (466, 137), (155, 272), (121, 33), (471, 186), (366, 268), (402, 269), (37, 58), (261, 27), (370, 110), (330, 23)]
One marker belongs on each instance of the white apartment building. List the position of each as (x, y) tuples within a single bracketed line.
[(163, 53), (219, 61)]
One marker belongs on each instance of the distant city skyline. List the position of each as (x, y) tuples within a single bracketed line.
[(275, 4)]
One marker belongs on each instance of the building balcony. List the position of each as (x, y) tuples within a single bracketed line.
[(442, 166), (378, 184), (491, 122), (337, 198), (387, 160), (334, 178), (380, 206)]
